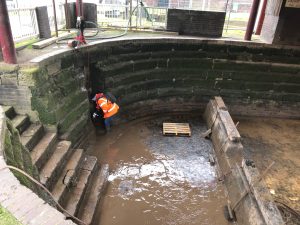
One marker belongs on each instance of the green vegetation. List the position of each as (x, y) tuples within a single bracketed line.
[(27, 43), (7, 218), (18, 156)]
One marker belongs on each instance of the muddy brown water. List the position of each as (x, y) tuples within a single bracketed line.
[(158, 180)]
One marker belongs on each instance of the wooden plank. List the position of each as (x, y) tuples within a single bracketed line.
[(220, 103), (176, 129), (231, 130), (262, 196), (50, 41)]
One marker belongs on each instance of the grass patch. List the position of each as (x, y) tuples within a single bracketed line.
[(27, 43), (6, 218)]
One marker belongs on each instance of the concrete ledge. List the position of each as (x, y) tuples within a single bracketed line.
[(20, 201), (249, 198)]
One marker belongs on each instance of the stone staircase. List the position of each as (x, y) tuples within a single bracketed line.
[(74, 178)]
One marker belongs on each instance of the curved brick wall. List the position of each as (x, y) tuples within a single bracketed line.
[(157, 75), (164, 75)]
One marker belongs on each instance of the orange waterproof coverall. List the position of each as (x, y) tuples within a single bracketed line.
[(109, 109)]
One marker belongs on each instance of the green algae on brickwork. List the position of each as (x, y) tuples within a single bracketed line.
[(8, 68), (18, 156), (6, 218), (74, 133), (73, 116), (26, 76)]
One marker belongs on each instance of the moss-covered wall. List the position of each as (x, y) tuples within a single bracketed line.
[(18, 156), (53, 92)]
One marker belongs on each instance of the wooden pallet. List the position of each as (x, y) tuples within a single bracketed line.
[(177, 129)]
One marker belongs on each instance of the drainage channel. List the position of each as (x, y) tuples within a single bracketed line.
[(156, 179)]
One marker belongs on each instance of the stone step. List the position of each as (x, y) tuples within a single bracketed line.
[(9, 111), (43, 150), (21, 123), (93, 198), (53, 168), (68, 176), (32, 135), (77, 193)]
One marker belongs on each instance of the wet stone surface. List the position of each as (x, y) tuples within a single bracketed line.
[(273, 139), (159, 180)]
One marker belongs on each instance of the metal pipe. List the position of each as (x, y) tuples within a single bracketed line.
[(130, 15), (55, 21), (251, 21), (6, 38), (79, 8), (261, 17)]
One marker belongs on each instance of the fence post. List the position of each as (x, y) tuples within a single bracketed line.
[(130, 16), (261, 18), (251, 21), (55, 21)]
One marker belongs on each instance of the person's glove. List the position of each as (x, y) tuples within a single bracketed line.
[(95, 115)]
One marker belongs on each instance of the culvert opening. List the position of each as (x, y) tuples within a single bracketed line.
[(155, 179)]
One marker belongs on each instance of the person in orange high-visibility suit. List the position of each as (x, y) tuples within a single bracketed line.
[(108, 108)]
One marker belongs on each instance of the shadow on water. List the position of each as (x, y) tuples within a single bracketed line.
[(159, 180)]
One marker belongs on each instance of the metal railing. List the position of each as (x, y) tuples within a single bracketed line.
[(23, 23), (60, 16), (113, 15)]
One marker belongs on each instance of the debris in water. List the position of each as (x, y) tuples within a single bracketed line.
[(126, 187), (294, 198)]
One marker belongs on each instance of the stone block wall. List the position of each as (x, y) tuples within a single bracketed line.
[(154, 76), (52, 91), (14, 90), (239, 177), (168, 75), (59, 94)]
